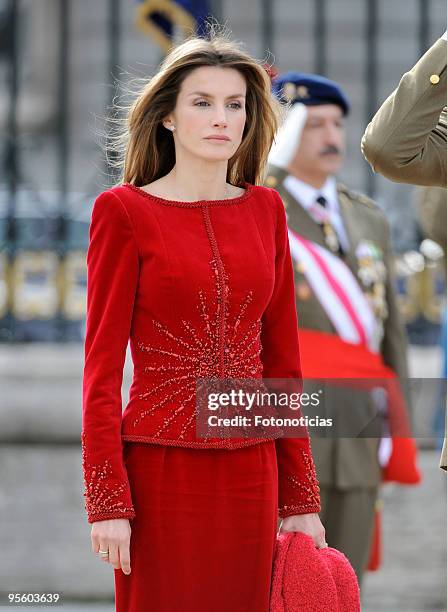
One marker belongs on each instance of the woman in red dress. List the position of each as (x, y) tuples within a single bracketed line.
[(189, 259)]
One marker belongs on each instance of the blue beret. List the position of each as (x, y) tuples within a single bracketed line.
[(309, 89)]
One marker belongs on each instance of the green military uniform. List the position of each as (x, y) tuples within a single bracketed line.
[(432, 212), (348, 468), (432, 209), (407, 139)]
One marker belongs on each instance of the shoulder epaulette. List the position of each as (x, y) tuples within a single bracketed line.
[(358, 197)]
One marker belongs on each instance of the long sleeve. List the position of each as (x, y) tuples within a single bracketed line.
[(394, 345), (298, 486), (443, 459), (431, 205), (112, 276), (406, 141)]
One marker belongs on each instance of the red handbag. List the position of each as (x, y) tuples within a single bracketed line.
[(307, 579)]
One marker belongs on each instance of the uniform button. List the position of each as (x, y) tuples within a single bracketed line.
[(434, 79)]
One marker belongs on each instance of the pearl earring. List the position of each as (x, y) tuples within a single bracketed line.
[(171, 127)]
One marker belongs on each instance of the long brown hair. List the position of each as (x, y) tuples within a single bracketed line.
[(144, 149)]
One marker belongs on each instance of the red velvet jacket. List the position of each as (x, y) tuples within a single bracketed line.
[(201, 289)]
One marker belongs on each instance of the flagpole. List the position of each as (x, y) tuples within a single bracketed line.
[(216, 7), (267, 26)]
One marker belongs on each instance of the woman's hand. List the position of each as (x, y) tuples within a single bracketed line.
[(113, 536), (309, 524)]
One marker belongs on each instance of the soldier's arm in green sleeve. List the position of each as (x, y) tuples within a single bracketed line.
[(394, 344), (406, 140), (443, 458), (432, 209), (431, 206)]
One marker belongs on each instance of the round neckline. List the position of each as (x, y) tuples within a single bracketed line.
[(193, 203)]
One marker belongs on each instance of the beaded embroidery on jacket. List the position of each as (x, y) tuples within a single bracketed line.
[(220, 343), (103, 495), (307, 491), (214, 351)]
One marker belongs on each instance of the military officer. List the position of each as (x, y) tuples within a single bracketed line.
[(407, 139), (340, 245)]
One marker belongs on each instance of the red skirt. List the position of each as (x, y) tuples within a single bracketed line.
[(204, 532)]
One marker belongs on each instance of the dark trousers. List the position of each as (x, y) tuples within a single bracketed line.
[(348, 517)]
